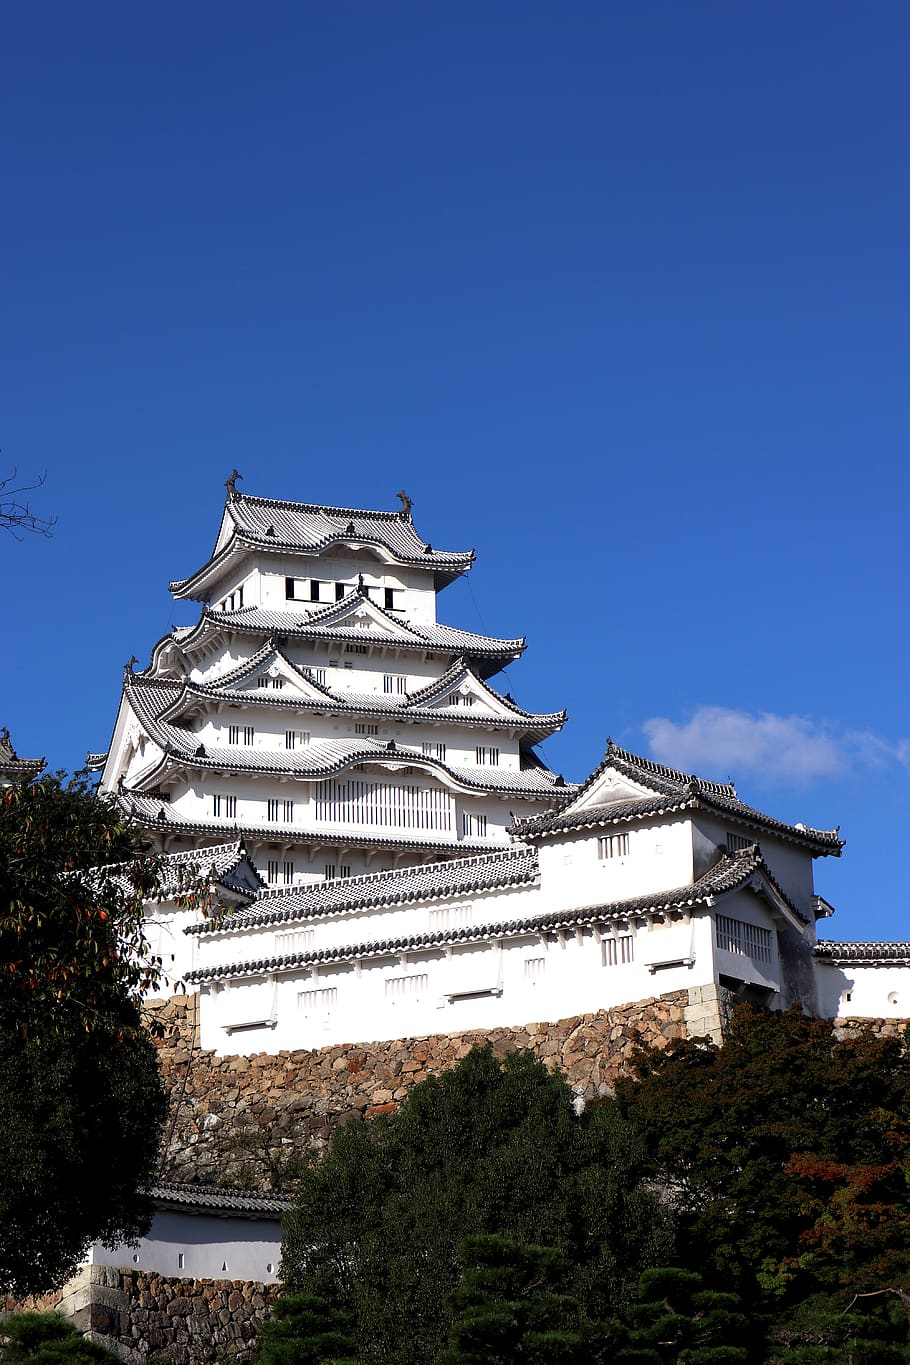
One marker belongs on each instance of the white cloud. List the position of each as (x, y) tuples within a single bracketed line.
[(717, 741)]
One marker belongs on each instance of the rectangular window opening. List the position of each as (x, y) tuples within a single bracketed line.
[(613, 846), (617, 951)]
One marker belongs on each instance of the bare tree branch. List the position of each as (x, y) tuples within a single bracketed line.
[(16, 514)]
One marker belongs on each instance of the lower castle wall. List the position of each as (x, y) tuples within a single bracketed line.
[(239, 1116), (230, 1114), (192, 1322)]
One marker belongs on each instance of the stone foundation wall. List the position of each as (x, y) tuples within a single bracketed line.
[(240, 1116), (192, 1322), (880, 1028)]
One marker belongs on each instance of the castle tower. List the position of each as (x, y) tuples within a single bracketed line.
[(318, 706)]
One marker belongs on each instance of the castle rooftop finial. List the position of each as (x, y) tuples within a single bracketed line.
[(232, 493), (406, 504)]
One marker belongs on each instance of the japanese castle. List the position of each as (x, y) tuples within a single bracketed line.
[(388, 855), (320, 707)]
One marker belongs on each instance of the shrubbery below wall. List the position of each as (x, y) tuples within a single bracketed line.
[(236, 1118)]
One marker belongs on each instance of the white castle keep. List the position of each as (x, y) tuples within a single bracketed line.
[(390, 855)]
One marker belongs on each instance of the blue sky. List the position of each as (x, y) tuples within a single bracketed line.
[(618, 293)]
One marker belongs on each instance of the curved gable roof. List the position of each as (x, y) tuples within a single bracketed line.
[(270, 525)]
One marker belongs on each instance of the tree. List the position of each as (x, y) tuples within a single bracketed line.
[(871, 1331), (679, 1322), (16, 515), (81, 1100), (305, 1330), (510, 1307), (48, 1339), (488, 1147), (784, 1153)]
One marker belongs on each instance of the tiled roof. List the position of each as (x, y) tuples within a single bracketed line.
[(872, 953), (267, 524), (729, 874), (430, 881), (12, 767), (406, 706), (409, 635), (156, 815), (211, 1199), (321, 758), (218, 863), (676, 791)]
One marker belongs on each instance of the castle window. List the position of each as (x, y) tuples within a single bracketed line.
[(233, 734), (288, 871), (330, 869), (224, 806), (449, 917), (339, 591), (318, 999), (613, 846), (315, 586), (534, 968), (356, 649), (486, 757), (318, 676), (288, 811), (262, 680), (394, 683), (383, 804), (273, 869), (617, 951), (433, 750), (289, 589), (277, 684), (401, 989), (248, 733), (744, 939), (473, 825), (273, 808), (289, 941), (737, 841), (389, 599), (290, 739), (362, 729), (460, 699)]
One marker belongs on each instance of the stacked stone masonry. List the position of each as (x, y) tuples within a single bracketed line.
[(232, 1116), (191, 1322)]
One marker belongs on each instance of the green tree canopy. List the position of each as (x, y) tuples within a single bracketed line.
[(305, 1330), (81, 1101), (511, 1307), (488, 1147), (784, 1152), (48, 1339)]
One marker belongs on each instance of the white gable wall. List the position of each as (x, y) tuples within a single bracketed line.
[(575, 869)]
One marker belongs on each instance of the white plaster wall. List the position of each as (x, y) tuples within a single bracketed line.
[(211, 1247), (417, 601), (480, 986), (572, 873), (862, 990), (791, 866), (164, 929)]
